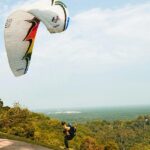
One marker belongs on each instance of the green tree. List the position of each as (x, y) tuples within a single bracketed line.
[(111, 145), (89, 143), (1, 103)]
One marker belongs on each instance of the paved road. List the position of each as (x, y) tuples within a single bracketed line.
[(16, 145)]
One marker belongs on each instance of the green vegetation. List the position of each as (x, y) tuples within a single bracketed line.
[(21, 124)]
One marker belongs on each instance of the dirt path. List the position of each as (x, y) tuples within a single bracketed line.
[(16, 145)]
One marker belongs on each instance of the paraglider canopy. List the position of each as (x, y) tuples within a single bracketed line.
[(21, 28)]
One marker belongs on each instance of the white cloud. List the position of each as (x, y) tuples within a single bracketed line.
[(100, 36)]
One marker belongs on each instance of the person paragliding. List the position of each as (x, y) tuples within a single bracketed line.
[(69, 132), (21, 28)]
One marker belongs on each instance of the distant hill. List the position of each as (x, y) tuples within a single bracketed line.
[(98, 113), (21, 124)]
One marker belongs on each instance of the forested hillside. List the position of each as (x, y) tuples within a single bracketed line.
[(20, 123)]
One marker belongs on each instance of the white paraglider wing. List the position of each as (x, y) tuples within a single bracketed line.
[(55, 18), (20, 32), (21, 28)]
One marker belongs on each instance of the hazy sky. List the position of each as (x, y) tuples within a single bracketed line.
[(103, 59)]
